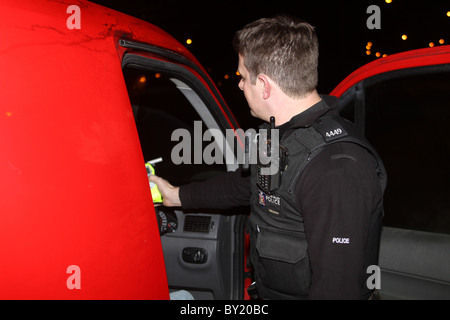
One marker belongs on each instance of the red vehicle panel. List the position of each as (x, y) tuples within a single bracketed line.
[(408, 59), (73, 188)]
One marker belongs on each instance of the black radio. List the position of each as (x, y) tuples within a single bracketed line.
[(271, 160)]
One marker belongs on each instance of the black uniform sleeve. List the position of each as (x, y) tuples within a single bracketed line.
[(226, 191), (337, 193)]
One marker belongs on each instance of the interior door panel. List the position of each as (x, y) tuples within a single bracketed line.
[(414, 264)]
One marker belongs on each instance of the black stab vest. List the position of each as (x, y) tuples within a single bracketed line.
[(278, 246)]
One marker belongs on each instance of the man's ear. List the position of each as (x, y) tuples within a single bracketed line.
[(265, 86)]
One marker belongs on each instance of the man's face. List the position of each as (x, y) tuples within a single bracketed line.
[(251, 91)]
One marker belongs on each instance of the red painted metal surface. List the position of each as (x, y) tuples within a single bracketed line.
[(73, 188), (408, 59)]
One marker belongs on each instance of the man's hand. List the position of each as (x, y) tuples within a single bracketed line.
[(168, 191)]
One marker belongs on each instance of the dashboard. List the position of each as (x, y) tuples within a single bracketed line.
[(167, 220), (197, 250)]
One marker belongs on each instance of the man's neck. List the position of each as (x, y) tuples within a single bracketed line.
[(292, 107)]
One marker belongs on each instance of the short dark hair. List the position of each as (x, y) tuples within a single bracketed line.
[(285, 49)]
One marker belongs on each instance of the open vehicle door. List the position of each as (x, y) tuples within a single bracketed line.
[(181, 118), (401, 103)]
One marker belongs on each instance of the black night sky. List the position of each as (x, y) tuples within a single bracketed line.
[(340, 25)]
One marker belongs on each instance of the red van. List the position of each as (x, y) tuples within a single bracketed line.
[(88, 95)]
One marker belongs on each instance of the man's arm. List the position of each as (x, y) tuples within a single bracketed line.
[(225, 191), (337, 194)]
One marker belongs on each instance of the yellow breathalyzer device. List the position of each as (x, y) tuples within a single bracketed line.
[(156, 195)]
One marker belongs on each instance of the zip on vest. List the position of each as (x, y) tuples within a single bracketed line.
[(309, 156)]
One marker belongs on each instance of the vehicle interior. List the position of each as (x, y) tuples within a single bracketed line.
[(203, 250)]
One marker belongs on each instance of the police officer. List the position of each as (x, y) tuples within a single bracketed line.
[(314, 224)]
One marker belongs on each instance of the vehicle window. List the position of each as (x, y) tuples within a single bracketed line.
[(159, 109), (407, 122)]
